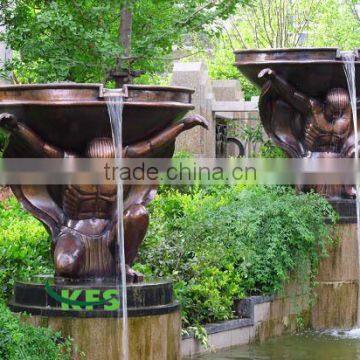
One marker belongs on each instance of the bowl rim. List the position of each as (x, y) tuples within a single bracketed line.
[(71, 85), (100, 102), (298, 49)]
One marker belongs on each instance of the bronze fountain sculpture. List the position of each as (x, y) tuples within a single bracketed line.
[(304, 103), (82, 219), (83, 299)]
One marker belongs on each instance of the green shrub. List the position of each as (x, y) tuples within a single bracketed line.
[(24, 246), (224, 243), (21, 341), (218, 243), (221, 66), (3, 140), (24, 251), (270, 151)]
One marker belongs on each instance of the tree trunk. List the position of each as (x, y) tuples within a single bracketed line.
[(125, 32), (126, 29)]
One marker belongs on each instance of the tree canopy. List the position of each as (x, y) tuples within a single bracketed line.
[(281, 23), (78, 40)]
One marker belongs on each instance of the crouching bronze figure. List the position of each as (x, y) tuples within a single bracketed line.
[(322, 128), (82, 219), (304, 104)]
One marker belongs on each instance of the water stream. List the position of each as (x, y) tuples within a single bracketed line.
[(114, 102), (349, 68)]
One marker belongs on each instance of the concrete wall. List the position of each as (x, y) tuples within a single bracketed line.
[(222, 99), (337, 290), (5, 54), (197, 141)]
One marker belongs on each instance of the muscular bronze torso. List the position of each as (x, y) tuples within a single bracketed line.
[(89, 201), (323, 135)]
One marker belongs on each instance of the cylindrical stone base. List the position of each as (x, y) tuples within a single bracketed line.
[(86, 311), (155, 337)]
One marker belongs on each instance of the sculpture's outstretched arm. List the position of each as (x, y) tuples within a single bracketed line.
[(148, 147), (10, 124), (299, 101)]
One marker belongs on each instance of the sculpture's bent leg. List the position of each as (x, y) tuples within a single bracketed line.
[(136, 222), (69, 254), (83, 255)]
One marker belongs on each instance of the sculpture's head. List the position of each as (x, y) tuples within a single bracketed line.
[(100, 148), (337, 101)]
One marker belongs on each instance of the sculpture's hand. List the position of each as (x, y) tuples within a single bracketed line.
[(267, 74), (194, 120), (8, 122), (300, 102)]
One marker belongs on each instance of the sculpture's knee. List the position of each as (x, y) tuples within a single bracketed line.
[(137, 215), (136, 221), (68, 254)]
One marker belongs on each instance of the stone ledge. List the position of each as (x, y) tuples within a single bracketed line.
[(246, 306), (247, 318), (223, 326), (233, 332)]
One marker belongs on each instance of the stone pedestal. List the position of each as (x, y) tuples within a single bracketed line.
[(197, 141), (88, 312)]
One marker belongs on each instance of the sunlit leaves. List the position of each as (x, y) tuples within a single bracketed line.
[(78, 40)]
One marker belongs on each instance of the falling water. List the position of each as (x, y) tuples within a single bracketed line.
[(349, 68), (114, 102)]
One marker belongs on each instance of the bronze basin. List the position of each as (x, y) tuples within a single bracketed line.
[(310, 70), (70, 115)]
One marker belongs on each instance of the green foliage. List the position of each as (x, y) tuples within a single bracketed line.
[(199, 333), (273, 24), (320, 23), (154, 79), (337, 25), (221, 66), (270, 151), (24, 251), (252, 134), (307, 23), (21, 341), (224, 243), (3, 139), (63, 40), (24, 246), (248, 88)]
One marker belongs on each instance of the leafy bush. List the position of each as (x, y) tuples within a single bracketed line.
[(24, 246), (270, 151), (3, 139), (21, 341), (218, 243), (223, 243), (24, 251), (221, 66)]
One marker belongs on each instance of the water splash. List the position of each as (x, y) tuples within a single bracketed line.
[(114, 102), (343, 334), (348, 58)]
